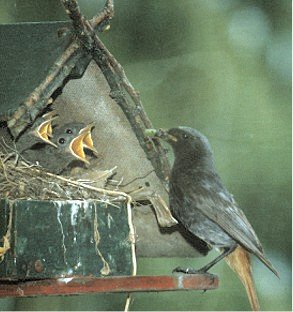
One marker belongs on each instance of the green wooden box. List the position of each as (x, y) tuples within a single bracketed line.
[(54, 239)]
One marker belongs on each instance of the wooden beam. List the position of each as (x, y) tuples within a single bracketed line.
[(82, 285)]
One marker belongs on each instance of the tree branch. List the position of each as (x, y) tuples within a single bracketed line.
[(106, 14), (136, 115), (78, 20)]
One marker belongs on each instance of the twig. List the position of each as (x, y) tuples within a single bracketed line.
[(84, 185), (137, 178), (135, 113), (38, 99), (78, 20), (127, 302), (106, 173), (107, 13)]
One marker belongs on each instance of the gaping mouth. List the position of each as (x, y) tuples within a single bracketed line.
[(76, 148), (44, 132), (83, 140), (87, 138), (161, 134)]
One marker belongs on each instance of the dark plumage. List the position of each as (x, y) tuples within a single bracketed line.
[(202, 204)]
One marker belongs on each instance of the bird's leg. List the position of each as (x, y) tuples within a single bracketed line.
[(208, 266)]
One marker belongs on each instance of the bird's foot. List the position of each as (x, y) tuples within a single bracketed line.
[(188, 271)]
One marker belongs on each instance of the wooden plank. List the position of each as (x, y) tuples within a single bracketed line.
[(82, 285), (54, 239)]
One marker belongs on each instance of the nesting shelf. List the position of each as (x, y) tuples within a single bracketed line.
[(73, 286), (47, 239)]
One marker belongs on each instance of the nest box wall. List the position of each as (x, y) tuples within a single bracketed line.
[(67, 239)]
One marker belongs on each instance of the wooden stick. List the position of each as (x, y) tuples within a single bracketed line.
[(38, 99), (75, 285), (107, 13)]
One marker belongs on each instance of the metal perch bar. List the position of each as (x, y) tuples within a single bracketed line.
[(71, 286)]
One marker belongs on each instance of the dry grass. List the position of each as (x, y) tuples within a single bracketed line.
[(21, 180)]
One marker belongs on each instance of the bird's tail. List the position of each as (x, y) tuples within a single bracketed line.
[(239, 261)]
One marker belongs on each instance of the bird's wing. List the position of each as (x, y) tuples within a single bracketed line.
[(219, 206), (176, 199)]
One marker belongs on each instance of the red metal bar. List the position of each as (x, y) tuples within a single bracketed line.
[(81, 285)]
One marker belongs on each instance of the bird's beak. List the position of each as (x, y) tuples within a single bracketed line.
[(161, 134), (44, 131), (87, 139), (76, 148), (49, 117)]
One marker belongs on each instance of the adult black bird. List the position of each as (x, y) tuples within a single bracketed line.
[(70, 147), (202, 204)]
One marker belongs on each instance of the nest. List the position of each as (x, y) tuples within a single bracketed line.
[(21, 180)]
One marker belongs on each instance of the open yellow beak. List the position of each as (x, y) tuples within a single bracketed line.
[(87, 139), (44, 131), (76, 148), (49, 117)]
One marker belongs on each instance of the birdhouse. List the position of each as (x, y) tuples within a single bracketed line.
[(47, 237), (83, 220)]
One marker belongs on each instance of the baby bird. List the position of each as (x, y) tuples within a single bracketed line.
[(69, 140)]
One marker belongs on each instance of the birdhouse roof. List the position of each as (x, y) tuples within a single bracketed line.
[(27, 51)]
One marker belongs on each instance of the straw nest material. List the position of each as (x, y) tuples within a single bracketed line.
[(21, 180)]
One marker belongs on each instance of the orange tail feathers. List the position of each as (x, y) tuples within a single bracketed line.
[(239, 261)]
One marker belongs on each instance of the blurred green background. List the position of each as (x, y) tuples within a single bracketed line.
[(223, 67)]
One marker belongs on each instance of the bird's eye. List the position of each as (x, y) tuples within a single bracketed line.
[(185, 136), (61, 140), (68, 131)]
